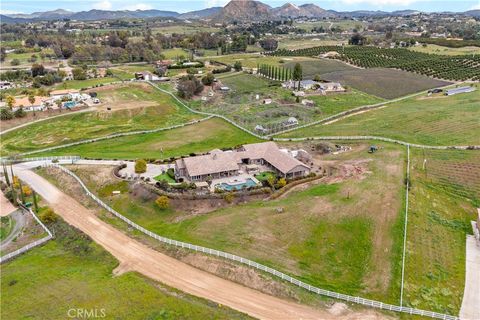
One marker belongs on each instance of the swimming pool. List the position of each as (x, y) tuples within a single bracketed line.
[(69, 104), (236, 185)]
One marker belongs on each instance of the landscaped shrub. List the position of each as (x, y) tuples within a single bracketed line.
[(229, 197), (47, 216), (171, 173), (162, 202), (140, 166)]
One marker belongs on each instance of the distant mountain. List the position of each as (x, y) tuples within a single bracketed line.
[(473, 13), (53, 15), (311, 10), (288, 10), (244, 10), (200, 14), (10, 20), (123, 14)]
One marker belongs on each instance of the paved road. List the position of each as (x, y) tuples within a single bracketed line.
[(134, 256), (471, 297), (19, 217)]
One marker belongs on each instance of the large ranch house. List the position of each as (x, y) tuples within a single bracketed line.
[(250, 158)]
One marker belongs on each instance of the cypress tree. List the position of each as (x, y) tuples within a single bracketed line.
[(5, 174), (22, 196), (35, 203)]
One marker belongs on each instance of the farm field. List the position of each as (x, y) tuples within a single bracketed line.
[(134, 107), (66, 277), (323, 236), (251, 60), (442, 202), (435, 120), (242, 105), (320, 66), (184, 29), (458, 68), (83, 84), (346, 24), (200, 137), (384, 82), (297, 43), (24, 57), (436, 49), (175, 53)]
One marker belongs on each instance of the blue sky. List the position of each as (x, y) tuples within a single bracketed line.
[(29, 6)]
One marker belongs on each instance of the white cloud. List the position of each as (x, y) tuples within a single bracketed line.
[(476, 7), (215, 3), (381, 2), (103, 5), (139, 6)]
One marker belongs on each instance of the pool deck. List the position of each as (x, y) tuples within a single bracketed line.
[(243, 177)]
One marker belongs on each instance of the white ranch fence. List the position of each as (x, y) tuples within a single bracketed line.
[(29, 246), (281, 275)]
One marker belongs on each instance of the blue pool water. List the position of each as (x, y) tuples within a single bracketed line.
[(69, 104), (237, 186)]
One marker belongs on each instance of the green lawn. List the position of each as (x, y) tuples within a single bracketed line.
[(139, 107), (164, 177), (48, 281), (304, 240), (265, 175), (251, 60), (439, 219), (175, 53), (201, 137), (438, 120), (245, 83), (83, 84)]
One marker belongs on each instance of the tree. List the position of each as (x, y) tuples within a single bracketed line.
[(269, 44), (140, 166), (31, 99), (298, 73), (79, 74), (15, 62), (229, 197), (48, 216), (37, 70), (20, 113), (35, 201), (237, 66), (26, 191), (208, 79), (282, 182), (188, 86), (357, 39), (6, 114), (163, 202), (192, 71)]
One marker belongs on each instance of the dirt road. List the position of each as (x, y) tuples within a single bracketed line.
[(134, 256)]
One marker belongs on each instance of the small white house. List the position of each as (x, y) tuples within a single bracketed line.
[(267, 101), (299, 93), (68, 93)]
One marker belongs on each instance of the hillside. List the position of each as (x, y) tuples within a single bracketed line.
[(248, 10)]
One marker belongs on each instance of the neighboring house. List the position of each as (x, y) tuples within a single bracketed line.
[(332, 87), (219, 164), (38, 105), (451, 92), (304, 85), (147, 76), (71, 94), (267, 101)]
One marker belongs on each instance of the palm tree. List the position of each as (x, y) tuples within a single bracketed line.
[(31, 99)]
